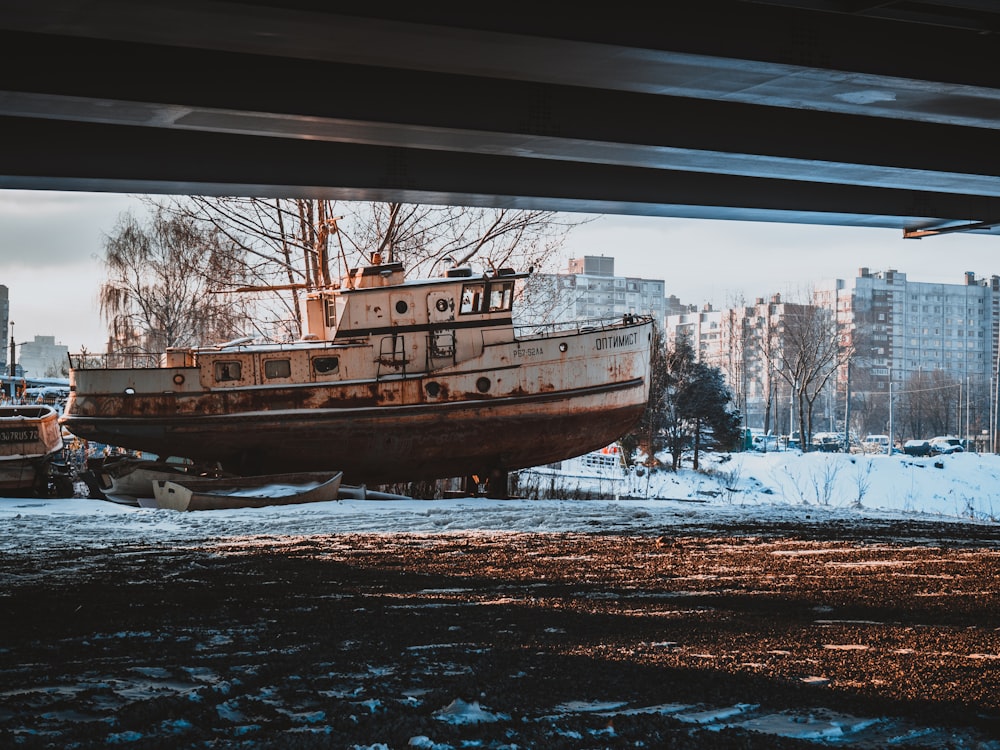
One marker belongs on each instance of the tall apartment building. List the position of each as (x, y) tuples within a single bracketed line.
[(897, 328), (588, 288), (900, 327), (743, 343), (4, 326)]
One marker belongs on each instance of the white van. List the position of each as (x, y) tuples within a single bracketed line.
[(876, 444)]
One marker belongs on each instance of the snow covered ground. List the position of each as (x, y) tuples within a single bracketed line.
[(775, 486), (782, 485)]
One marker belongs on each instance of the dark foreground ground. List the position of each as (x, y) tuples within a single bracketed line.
[(870, 635)]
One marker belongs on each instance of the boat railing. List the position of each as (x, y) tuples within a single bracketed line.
[(114, 360), (584, 325)]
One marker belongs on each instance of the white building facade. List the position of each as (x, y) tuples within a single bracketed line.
[(744, 343), (589, 289), (902, 335), (907, 335), (43, 357)]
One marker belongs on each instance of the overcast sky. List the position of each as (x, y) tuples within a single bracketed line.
[(51, 244)]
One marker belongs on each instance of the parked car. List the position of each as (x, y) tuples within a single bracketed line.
[(945, 444), (828, 442), (876, 444), (766, 443), (917, 447)]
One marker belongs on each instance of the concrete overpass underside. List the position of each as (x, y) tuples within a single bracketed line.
[(846, 112)]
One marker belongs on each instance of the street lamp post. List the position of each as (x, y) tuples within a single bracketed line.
[(847, 411), (13, 365), (968, 424), (889, 447)]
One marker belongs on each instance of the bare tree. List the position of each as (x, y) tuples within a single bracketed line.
[(869, 403), (160, 275), (810, 354), (425, 238), (285, 245), (735, 363), (767, 339), (928, 403)]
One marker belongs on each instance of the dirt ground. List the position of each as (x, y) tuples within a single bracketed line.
[(866, 634)]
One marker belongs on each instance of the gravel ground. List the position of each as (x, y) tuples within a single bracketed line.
[(859, 634)]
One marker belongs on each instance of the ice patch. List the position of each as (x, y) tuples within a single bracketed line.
[(460, 712)]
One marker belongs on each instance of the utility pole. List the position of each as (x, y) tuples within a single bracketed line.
[(958, 411), (13, 365), (847, 411), (968, 424), (889, 447)]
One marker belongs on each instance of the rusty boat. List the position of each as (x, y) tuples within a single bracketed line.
[(31, 447), (392, 380)]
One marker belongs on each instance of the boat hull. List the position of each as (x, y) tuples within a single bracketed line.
[(519, 402), (129, 481), (396, 444), (246, 492), (30, 440)]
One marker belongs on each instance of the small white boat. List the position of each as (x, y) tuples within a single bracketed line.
[(245, 492), (128, 480), (30, 441)]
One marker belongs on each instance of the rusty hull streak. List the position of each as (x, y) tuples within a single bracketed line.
[(382, 445)]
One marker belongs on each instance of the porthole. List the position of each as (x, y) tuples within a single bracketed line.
[(178, 379), (483, 385), (433, 389), (441, 305), (402, 307), (563, 347)]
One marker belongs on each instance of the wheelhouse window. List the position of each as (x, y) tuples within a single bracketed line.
[(326, 365), (502, 296), (472, 298), (277, 368), (487, 298), (228, 370)]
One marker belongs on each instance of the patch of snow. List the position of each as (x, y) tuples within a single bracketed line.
[(460, 712)]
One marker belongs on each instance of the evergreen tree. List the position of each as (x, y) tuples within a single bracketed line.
[(648, 433), (696, 405)]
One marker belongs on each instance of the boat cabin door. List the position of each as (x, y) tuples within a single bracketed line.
[(441, 334)]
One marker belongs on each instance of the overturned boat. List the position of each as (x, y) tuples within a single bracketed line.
[(128, 480), (393, 380), (228, 493)]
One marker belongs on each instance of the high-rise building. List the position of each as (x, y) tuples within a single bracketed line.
[(4, 327), (588, 288), (922, 341), (745, 343), (899, 327), (896, 338)]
